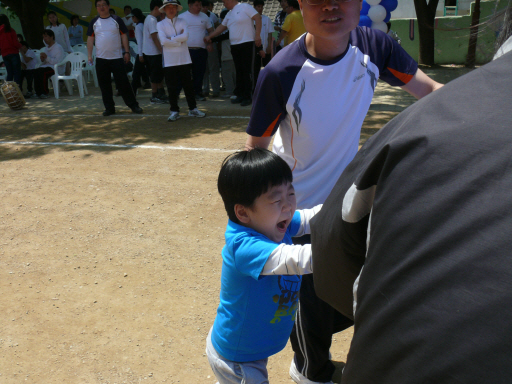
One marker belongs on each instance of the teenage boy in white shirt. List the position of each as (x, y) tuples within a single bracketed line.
[(267, 28), (173, 34), (199, 25), (212, 73), (152, 51), (110, 36), (243, 38)]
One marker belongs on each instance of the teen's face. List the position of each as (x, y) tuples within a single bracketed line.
[(332, 19), (127, 11), (195, 8), (23, 49), (284, 5), (171, 11), (75, 22), (135, 19), (48, 40), (259, 9), (272, 212), (52, 19)]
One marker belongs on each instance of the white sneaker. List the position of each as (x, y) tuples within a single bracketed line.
[(299, 378), (196, 113), (174, 116)]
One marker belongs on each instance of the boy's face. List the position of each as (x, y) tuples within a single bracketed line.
[(259, 8), (23, 49), (195, 8), (272, 212)]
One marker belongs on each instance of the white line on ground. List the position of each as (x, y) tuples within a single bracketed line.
[(114, 116), (162, 147)]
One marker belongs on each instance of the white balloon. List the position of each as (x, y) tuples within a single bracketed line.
[(377, 13), (373, 2), (381, 26)]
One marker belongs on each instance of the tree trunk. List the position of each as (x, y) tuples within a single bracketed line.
[(30, 13), (426, 14), (473, 35)]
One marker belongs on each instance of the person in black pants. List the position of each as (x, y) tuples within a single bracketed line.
[(243, 37), (110, 35)]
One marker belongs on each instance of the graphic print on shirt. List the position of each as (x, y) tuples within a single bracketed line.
[(373, 78), (296, 107), (289, 299)]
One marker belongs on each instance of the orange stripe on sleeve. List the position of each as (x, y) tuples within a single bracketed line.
[(403, 77), (270, 128)]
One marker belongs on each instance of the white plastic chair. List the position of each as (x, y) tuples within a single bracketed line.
[(90, 69), (77, 60), (3, 70)]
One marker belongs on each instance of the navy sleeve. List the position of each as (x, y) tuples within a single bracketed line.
[(90, 29), (396, 66), (273, 89), (122, 25)]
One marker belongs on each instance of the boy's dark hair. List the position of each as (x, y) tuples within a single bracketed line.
[(258, 2), (73, 18), (204, 3), (4, 20), (97, 1), (24, 43), (293, 3), (127, 6), (49, 32), (155, 3), (246, 175)]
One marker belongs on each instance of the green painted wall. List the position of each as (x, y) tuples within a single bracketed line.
[(452, 35)]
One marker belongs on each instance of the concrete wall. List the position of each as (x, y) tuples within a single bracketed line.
[(452, 35)]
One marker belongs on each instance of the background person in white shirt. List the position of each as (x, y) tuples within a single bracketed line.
[(140, 69), (110, 36), (267, 28), (173, 34), (60, 31), (28, 64), (152, 50), (198, 25), (128, 21), (243, 38), (51, 55), (211, 75)]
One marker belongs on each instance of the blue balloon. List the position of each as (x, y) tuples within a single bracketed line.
[(388, 17), (365, 8), (365, 21), (390, 5)]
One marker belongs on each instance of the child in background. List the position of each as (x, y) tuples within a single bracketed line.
[(261, 268), (28, 64), (60, 31), (75, 31)]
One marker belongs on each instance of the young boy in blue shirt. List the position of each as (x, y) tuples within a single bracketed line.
[(261, 268)]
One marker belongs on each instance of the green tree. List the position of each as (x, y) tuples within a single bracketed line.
[(426, 14), (30, 14)]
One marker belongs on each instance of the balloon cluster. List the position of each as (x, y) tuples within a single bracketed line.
[(376, 13)]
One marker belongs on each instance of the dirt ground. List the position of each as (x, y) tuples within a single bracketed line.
[(110, 238)]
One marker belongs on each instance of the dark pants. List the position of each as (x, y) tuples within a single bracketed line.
[(41, 77), (103, 70), (315, 323), (199, 60), (173, 77), (13, 67), (256, 71), (243, 57), (140, 70), (29, 75)]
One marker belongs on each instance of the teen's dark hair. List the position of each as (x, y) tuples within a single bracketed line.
[(127, 6), (53, 13), (293, 3), (20, 36), (24, 43), (258, 2), (246, 175), (155, 3), (73, 18), (138, 14), (49, 32), (4, 20), (97, 1)]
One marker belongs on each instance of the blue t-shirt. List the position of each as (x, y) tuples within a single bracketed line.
[(256, 313)]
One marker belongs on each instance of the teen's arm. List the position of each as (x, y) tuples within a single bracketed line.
[(289, 260), (221, 28), (257, 142), (156, 40), (421, 85)]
